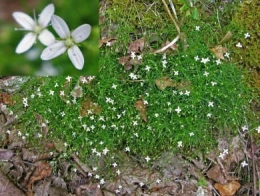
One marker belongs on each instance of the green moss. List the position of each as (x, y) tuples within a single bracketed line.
[(246, 20)]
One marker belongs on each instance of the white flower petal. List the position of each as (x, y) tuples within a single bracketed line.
[(60, 26), (81, 33), (45, 15), (76, 57), (24, 20), (46, 37), (53, 51), (26, 43)]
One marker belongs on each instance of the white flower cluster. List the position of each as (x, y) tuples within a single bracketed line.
[(38, 29)]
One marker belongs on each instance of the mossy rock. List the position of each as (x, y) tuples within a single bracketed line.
[(247, 19)]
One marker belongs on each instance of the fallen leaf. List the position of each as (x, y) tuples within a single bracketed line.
[(108, 41), (89, 107), (228, 189), (164, 82), (216, 174), (77, 91), (43, 170), (219, 51), (6, 154), (6, 99), (128, 62), (136, 46), (141, 108)]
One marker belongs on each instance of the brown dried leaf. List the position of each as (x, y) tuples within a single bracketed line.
[(125, 60), (108, 41), (164, 82), (89, 107), (43, 170), (228, 189), (6, 154), (77, 91), (128, 62), (6, 99), (136, 46), (216, 174), (219, 51), (141, 108)]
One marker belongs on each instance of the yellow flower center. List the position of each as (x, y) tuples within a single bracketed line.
[(37, 29), (69, 42)]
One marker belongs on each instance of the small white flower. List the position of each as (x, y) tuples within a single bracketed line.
[(105, 151), (206, 73), (69, 42), (179, 144), (158, 181), (164, 62), (244, 163), (114, 86), (147, 68), (247, 35), (196, 58), (221, 155), (227, 55), (118, 172), (225, 151), (218, 62), (127, 149), (114, 164), (197, 28), (139, 57), (211, 104), (239, 45), (147, 159), (178, 109), (204, 60), (133, 55), (258, 129), (35, 29), (245, 128)]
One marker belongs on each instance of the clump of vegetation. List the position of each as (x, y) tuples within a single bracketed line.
[(179, 102)]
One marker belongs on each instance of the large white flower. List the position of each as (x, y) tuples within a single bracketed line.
[(35, 28), (69, 42)]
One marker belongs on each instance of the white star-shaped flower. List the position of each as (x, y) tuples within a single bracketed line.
[(211, 104), (244, 163), (239, 45), (197, 28), (118, 172), (196, 58), (114, 86), (218, 62), (35, 28), (178, 109), (227, 55), (245, 128), (247, 35), (147, 159), (69, 42), (206, 73), (205, 60), (147, 68)]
